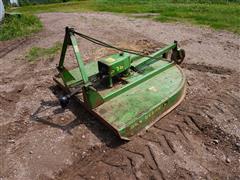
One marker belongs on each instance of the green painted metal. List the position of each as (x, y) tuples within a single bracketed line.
[(91, 97), (73, 77), (142, 89), (146, 60), (114, 65), (64, 49), (139, 106), (70, 39), (117, 63), (136, 82), (79, 59)]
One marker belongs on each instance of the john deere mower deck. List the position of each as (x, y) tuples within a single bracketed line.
[(128, 91)]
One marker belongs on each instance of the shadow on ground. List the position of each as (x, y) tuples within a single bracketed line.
[(104, 134)]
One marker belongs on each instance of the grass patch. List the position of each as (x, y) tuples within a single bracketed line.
[(81, 6), (37, 53), (218, 14), (19, 25)]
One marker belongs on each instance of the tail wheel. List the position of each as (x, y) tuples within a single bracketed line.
[(178, 56)]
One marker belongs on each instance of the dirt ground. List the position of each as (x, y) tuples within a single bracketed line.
[(200, 139)]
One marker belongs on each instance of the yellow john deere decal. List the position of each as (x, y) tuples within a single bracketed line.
[(119, 68), (110, 60)]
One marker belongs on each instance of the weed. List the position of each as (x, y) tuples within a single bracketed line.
[(37, 53), (19, 25)]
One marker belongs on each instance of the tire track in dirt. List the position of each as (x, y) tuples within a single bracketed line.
[(208, 68), (9, 46)]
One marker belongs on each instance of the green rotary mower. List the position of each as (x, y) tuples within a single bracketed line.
[(128, 91)]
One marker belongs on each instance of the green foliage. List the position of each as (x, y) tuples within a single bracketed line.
[(32, 2), (79, 6), (167, 1), (19, 25), (206, 1), (37, 53), (215, 15), (218, 14)]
